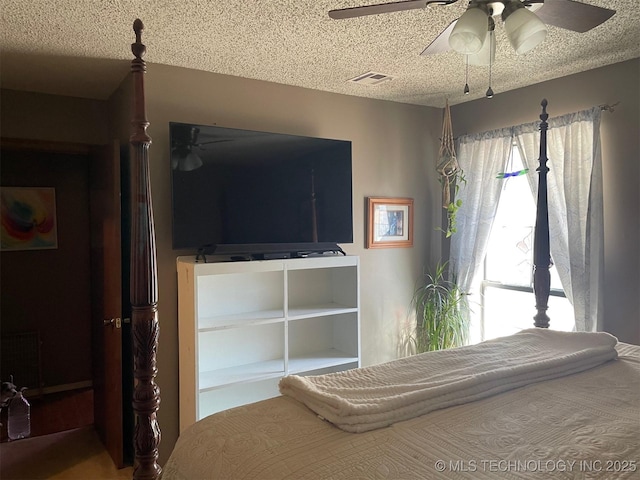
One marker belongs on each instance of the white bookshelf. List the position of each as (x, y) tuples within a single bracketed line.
[(244, 325)]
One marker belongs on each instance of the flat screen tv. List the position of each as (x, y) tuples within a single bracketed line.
[(241, 192)]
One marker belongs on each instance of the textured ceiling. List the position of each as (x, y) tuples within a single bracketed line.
[(81, 47)]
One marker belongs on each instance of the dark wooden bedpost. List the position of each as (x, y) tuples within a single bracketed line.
[(541, 251), (144, 280)]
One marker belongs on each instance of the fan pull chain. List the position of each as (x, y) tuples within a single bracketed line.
[(466, 76), (490, 90)]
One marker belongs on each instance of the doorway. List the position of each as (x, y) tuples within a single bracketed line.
[(52, 291)]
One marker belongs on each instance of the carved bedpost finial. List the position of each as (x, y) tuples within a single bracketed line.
[(138, 48), (138, 68), (138, 27), (544, 115)]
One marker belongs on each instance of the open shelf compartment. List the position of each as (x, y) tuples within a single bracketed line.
[(322, 342), (214, 401), (322, 289), (213, 379), (247, 296), (321, 360), (240, 354)]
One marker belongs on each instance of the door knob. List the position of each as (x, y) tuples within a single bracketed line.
[(114, 322)]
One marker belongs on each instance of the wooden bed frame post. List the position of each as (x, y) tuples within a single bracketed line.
[(144, 280), (541, 251)]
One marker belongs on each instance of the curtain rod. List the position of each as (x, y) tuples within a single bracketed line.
[(608, 108)]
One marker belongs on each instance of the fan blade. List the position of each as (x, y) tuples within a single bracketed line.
[(441, 43), (574, 16), (199, 145), (385, 8)]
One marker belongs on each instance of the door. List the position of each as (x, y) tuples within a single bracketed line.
[(106, 273)]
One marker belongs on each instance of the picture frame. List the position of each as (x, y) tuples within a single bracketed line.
[(389, 222), (28, 218)]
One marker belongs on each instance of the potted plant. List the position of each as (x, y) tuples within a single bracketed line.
[(440, 307), (451, 175), (452, 206)]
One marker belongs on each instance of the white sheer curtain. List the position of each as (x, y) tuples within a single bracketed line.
[(480, 157), (575, 205)]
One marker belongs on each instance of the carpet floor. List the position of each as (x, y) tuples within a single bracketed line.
[(63, 442), (73, 454)]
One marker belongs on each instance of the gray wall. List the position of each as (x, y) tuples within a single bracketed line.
[(620, 133), (53, 117), (394, 154), (394, 149)]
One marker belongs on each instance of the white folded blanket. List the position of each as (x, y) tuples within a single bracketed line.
[(367, 398)]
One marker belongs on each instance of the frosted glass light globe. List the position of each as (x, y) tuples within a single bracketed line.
[(470, 31), (524, 30)]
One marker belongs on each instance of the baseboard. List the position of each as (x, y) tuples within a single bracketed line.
[(59, 388)]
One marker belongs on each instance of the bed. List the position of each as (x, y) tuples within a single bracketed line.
[(583, 425), (533, 405)]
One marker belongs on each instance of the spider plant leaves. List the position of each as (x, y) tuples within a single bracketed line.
[(441, 313)]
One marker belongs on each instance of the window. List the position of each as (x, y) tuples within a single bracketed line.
[(503, 301)]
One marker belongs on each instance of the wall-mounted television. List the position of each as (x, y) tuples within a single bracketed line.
[(252, 193)]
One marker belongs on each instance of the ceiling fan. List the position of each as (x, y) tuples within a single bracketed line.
[(183, 157), (567, 14)]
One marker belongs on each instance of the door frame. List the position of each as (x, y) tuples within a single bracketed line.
[(95, 153)]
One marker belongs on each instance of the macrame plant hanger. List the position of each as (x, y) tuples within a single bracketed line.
[(447, 162)]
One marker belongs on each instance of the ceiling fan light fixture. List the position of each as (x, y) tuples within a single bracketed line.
[(184, 160), (470, 31), (524, 29), (487, 53), (191, 162)]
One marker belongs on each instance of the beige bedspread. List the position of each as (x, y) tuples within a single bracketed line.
[(585, 425), (373, 397)]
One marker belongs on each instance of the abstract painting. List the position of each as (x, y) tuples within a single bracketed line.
[(28, 218)]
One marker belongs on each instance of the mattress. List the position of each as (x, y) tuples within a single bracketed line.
[(584, 425)]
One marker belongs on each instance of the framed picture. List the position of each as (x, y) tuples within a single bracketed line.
[(389, 222), (28, 218)]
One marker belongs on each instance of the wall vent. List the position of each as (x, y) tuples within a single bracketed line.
[(371, 78), (21, 358)]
